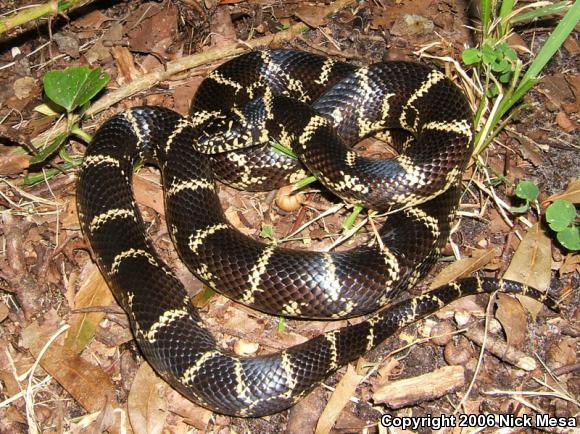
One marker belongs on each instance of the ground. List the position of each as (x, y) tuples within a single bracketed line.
[(91, 376)]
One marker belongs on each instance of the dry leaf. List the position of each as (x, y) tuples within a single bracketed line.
[(512, 317), (313, 16), (12, 161), (24, 87), (125, 65), (88, 384), (565, 122), (303, 417), (69, 217), (562, 352), (532, 265), (339, 398), (148, 193), (571, 263), (556, 89), (197, 417), (3, 311), (93, 292), (223, 31), (234, 218), (146, 404), (572, 193), (463, 267)]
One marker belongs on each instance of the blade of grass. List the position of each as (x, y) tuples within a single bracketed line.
[(553, 43), (486, 6), (542, 12), (505, 11), (304, 182)]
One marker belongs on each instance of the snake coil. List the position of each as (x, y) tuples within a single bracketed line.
[(319, 107)]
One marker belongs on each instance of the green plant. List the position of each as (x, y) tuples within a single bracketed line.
[(71, 91), (527, 191), (561, 218), (502, 82), (34, 12), (560, 215), (502, 61)]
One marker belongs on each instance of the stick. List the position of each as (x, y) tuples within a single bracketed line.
[(24, 16), (501, 349), (164, 72), (411, 391)]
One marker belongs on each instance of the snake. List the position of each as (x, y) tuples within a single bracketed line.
[(318, 107)]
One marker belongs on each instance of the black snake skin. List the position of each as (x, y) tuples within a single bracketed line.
[(317, 107)]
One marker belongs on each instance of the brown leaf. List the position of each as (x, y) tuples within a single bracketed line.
[(532, 265), (3, 311), (24, 87), (512, 317), (148, 193), (222, 28), (69, 219), (463, 267), (312, 15), (303, 417), (91, 20), (197, 417), (565, 122), (13, 163), (125, 64), (88, 384), (571, 45), (183, 95), (556, 89), (339, 398), (572, 193), (93, 292), (562, 352), (146, 404), (571, 263), (151, 27)]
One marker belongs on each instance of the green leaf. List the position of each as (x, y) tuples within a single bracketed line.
[(511, 54), (552, 44), (267, 231), (570, 238), (500, 66), (492, 91), (520, 209), (497, 180), (281, 324), (505, 77), (36, 177), (49, 150), (488, 54), (560, 215), (46, 110), (283, 150), (347, 224), (74, 86), (471, 56), (300, 184), (527, 190)]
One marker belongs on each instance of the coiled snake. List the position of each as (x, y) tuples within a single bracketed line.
[(318, 107)]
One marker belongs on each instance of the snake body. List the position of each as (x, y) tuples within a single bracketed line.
[(318, 107)]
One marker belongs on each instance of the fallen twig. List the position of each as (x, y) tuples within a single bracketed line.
[(411, 391), (501, 349), (171, 68)]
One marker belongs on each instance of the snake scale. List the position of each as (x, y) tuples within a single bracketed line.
[(318, 107)]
